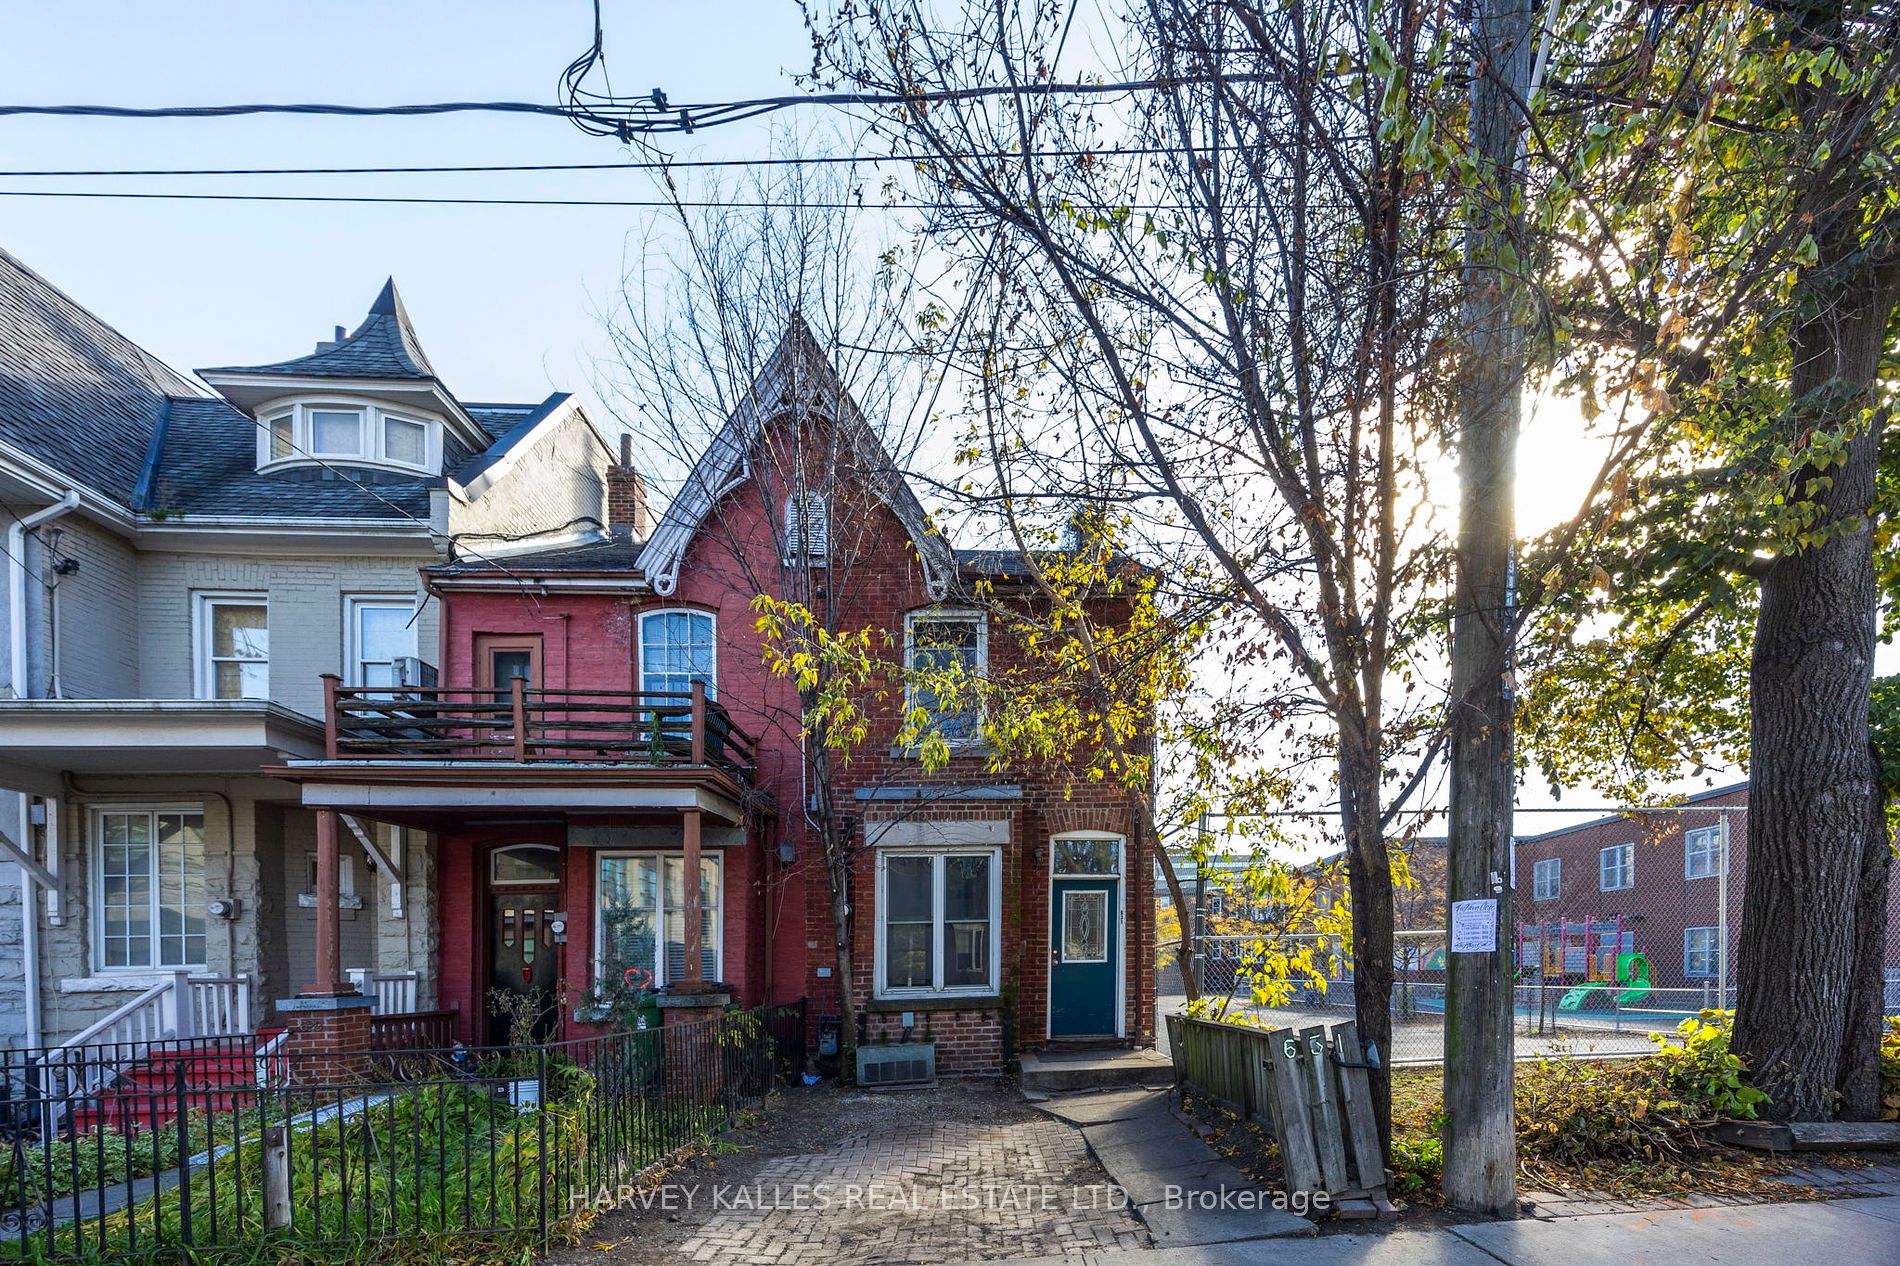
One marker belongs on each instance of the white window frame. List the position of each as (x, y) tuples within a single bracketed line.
[(345, 874), (1713, 949), (801, 508), (1627, 867), (96, 893), (353, 605), (1709, 848), (981, 669), (203, 669), (659, 941), (936, 989), (1554, 868), (373, 445), (640, 644)]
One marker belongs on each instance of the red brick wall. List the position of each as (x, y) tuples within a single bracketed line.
[(778, 921)]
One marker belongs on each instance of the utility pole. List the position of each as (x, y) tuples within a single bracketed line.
[(1480, 1141)]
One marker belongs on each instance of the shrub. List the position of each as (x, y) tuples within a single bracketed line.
[(1890, 1069)]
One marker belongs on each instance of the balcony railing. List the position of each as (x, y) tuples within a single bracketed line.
[(525, 725)]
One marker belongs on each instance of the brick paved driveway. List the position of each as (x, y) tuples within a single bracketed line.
[(909, 1191)]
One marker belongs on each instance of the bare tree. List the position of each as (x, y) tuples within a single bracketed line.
[(1213, 304)]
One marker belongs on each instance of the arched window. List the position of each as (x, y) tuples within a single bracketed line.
[(523, 864), (807, 527), (676, 649)]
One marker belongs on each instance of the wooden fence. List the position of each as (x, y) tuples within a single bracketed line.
[(1308, 1086)]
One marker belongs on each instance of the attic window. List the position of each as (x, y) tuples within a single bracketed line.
[(320, 432), (807, 527)]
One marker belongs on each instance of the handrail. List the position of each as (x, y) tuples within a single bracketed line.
[(534, 726), (90, 1035)]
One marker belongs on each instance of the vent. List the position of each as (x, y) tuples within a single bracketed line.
[(910, 1064)]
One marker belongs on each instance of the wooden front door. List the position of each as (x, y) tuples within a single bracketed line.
[(524, 961)]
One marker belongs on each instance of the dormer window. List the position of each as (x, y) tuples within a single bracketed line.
[(308, 432)]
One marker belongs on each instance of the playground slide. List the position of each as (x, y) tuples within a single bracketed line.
[(1633, 969), (1573, 1000)]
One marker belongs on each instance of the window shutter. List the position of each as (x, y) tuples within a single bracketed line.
[(807, 526)]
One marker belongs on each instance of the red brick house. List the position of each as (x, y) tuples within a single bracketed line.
[(1651, 883), (603, 725)]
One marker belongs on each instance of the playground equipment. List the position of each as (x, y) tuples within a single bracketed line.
[(1587, 955)]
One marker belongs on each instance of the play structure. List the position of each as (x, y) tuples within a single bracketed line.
[(1594, 961)]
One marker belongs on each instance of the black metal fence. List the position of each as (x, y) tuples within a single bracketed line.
[(174, 1150)]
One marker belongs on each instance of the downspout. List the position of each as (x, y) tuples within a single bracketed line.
[(23, 803)]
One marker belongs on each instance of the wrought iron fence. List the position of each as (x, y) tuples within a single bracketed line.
[(187, 1152)]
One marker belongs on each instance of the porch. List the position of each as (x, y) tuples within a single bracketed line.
[(523, 789)]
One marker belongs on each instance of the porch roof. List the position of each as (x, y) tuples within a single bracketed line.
[(508, 789), (41, 738)]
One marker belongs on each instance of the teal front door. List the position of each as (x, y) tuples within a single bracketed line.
[(1084, 967)]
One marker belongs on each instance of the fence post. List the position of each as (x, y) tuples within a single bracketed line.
[(276, 1178), (184, 1010), (518, 697), (181, 1085), (541, 1128)]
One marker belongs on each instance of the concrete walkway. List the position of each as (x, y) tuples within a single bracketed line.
[(1835, 1232), (1178, 1185)]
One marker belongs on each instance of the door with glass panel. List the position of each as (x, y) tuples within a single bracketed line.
[(1084, 937)]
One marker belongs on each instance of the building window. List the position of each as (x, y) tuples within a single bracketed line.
[(345, 877), (524, 865), (1701, 952), (1616, 867), (1547, 879), (807, 527), (946, 654), (676, 649), (149, 892), (1085, 855), (379, 631), (233, 637), (1702, 852), (312, 431), (640, 923), (937, 915)]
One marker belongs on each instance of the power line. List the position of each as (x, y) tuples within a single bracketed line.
[(683, 164), (420, 200)]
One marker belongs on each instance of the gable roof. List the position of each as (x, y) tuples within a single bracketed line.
[(75, 394), (383, 346), (724, 464)]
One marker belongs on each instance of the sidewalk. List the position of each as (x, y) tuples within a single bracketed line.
[(1863, 1232)]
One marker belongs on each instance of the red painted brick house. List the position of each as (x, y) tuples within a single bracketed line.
[(603, 723)]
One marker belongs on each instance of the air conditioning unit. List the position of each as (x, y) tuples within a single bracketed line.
[(414, 672), (905, 1064)]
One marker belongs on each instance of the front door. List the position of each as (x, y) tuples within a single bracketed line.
[(523, 964), (1085, 963)]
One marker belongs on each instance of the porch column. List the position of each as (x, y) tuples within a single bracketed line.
[(693, 981), (329, 981)]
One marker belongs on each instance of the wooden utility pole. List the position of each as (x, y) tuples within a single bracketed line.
[(1480, 1142)]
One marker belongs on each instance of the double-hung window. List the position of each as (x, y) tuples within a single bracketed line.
[(1702, 852), (1616, 867), (937, 920), (233, 646), (676, 649), (148, 894), (640, 923), (946, 655), (379, 631), (1547, 878), (1701, 952)]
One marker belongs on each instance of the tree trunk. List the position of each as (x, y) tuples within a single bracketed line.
[(1369, 878), (1811, 778), (1480, 1142), (1859, 1079)]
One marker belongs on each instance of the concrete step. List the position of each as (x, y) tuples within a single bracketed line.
[(1051, 1072)]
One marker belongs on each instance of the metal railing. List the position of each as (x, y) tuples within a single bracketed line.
[(491, 1150), (533, 725)]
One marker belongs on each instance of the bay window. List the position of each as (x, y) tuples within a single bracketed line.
[(640, 918), (937, 920), (148, 889), (321, 431)]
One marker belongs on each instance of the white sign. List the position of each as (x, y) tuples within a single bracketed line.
[(1474, 926)]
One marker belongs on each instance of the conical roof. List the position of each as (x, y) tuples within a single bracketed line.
[(383, 346)]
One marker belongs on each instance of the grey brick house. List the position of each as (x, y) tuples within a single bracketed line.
[(184, 556)]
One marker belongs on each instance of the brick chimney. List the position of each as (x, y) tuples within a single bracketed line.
[(627, 496)]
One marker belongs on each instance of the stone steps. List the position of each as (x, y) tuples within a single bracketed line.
[(1056, 1072)]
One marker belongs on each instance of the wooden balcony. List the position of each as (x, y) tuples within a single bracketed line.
[(534, 727)]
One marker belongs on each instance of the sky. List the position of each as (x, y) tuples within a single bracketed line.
[(508, 302)]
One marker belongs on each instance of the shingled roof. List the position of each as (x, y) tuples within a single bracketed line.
[(383, 346), (75, 393)]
